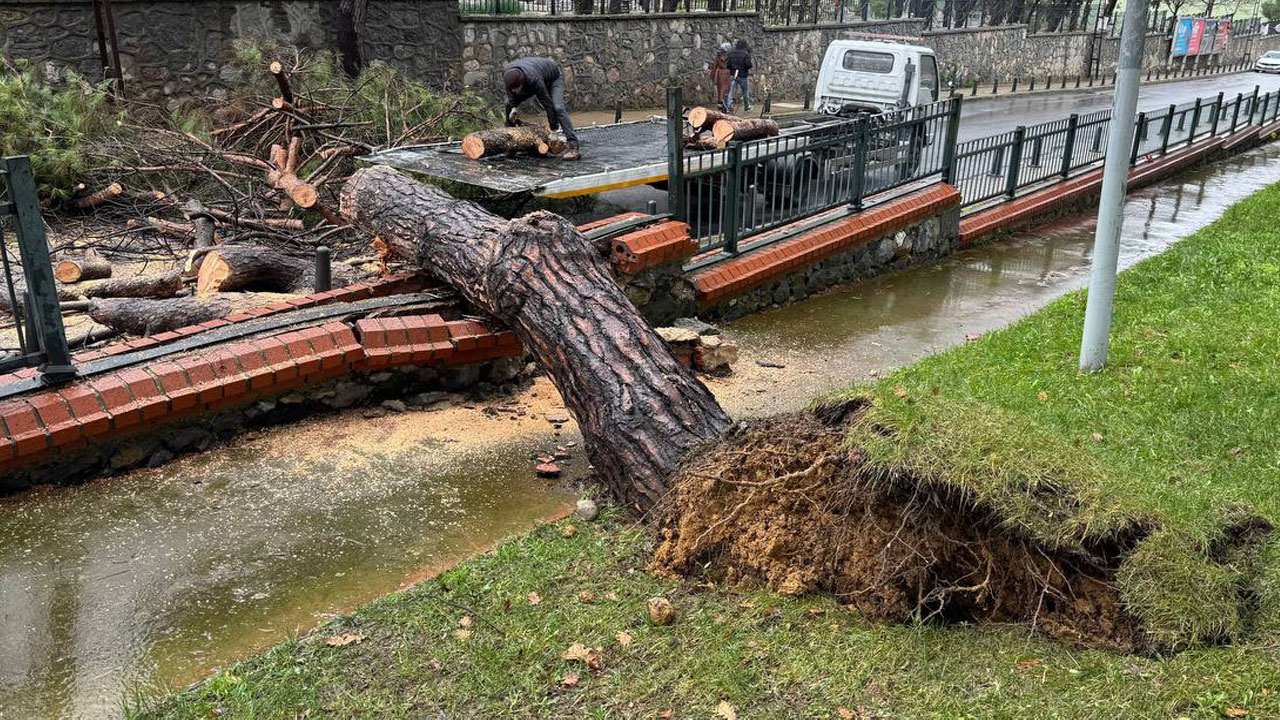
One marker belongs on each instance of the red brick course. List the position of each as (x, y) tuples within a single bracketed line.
[(651, 246), (734, 277)]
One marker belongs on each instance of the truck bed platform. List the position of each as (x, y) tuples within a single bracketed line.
[(613, 156)]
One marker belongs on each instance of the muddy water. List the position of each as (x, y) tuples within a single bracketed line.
[(152, 579)]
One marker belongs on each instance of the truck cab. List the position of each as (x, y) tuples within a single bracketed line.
[(875, 74)]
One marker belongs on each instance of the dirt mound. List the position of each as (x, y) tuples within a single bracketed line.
[(787, 502)]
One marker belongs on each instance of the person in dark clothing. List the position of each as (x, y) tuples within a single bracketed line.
[(740, 69), (538, 77)]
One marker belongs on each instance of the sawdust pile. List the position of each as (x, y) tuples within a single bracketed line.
[(786, 503)]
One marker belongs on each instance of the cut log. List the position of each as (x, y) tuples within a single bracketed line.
[(703, 118), (639, 410), (527, 139), (154, 285), (147, 316), (252, 267), (704, 140), (282, 80), (182, 231), (727, 131), (89, 267), (113, 190)]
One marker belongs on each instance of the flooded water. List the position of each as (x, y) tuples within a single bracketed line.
[(152, 579)]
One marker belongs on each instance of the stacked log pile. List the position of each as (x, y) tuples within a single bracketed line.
[(707, 129)]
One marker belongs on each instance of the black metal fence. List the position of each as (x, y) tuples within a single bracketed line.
[(601, 7), (29, 292), (1000, 166), (730, 195)]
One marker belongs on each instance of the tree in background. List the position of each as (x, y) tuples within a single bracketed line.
[(351, 14)]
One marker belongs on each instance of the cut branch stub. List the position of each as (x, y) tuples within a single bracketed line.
[(639, 409), (284, 175), (89, 267)]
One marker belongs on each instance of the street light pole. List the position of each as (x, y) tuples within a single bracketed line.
[(1115, 180)]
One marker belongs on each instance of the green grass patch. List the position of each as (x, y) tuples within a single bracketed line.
[(1176, 437), (1178, 433)]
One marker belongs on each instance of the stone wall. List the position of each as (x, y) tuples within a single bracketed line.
[(984, 54), (634, 59), (174, 48)]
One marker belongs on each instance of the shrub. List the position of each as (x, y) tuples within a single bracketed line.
[(53, 125)]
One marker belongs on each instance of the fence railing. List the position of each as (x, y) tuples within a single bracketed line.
[(601, 7), (1000, 166), (29, 289), (731, 195), (728, 196)]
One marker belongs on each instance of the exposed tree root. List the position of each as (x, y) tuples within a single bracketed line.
[(787, 503)]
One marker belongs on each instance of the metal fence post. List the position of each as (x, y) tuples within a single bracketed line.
[(1235, 112), (732, 211), (1195, 122), (324, 269), (1015, 162), (38, 270), (1168, 129), (675, 154), (1253, 104), (949, 146), (1069, 145), (1139, 134), (1217, 114), (859, 164)]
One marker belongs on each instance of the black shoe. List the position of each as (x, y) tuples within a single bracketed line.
[(572, 153)]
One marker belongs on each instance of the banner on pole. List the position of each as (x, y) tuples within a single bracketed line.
[(1197, 35)]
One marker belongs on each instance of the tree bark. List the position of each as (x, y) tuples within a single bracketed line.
[(89, 267), (350, 23), (157, 285), (147, 316), (727, 131), (528, 139), (703, 118), (639, 410), (284, 175), (229, 268)]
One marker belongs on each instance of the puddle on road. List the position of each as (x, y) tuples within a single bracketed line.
[(153, 579)]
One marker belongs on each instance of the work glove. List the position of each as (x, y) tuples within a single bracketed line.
[(513, 118), (556, 136)]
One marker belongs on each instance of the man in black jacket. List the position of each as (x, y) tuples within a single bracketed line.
[(540, 78), (740, 68)]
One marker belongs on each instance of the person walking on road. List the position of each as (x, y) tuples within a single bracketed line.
[(740, 69), (539, 77), (721, 77)]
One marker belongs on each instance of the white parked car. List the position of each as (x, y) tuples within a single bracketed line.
[(875, 74), (1268, 63)]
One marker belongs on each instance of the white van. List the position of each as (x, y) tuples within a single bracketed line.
[(875, 74)]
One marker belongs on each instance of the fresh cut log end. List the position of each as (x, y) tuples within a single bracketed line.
[(703, 118), (89, 267), (739, 130)]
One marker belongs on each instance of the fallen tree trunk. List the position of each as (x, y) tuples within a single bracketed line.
[(527, 139), (703, 118), (109, 192), (727, 131), (147, 316), (89, 267), (156, 285), (639, 410)]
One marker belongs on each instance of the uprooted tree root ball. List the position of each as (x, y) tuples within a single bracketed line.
[(786, 502)]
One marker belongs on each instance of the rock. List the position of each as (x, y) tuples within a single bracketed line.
[(661, 611), (561, 454), (395, 406), (587, 509), (373, 413), (188, 438), (677, 335), (128, 456), (548, 470), (428, 399), (380, 377), (160, 457), (557, 418), (697, 326), (346, 394), (769, 364), (715, 354)]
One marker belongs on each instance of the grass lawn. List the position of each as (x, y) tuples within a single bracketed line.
[(1178, 436)]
